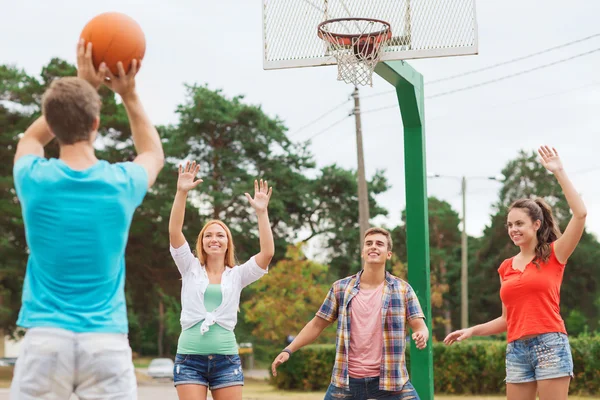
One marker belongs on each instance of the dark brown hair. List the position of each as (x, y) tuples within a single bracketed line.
[(71, 106), (538, 209)]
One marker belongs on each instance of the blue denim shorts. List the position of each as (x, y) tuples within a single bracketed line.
[(545, 356), (368, 388), (213, 371)]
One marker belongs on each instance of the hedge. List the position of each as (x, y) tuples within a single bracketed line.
[(472, 367)]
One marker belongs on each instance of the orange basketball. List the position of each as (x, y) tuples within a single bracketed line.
[(115, 37)]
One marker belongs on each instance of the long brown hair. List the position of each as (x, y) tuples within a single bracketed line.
[(230, 260), (538, 209)]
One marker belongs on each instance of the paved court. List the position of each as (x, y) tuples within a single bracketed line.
[(155, 392)]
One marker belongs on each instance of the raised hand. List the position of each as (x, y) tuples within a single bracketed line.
[(458, 336), (550, 159), (85, 66), (187, 174), (262, 194), (123, 83)]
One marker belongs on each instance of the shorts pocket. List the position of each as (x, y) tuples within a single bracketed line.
[(510, 348), (37, 368), (180, 358), (553, 340), (234, 360), (108, 365)]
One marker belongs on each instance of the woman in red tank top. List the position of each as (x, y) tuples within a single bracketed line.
[(538, 355)]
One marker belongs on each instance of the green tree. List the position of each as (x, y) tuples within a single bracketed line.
[(287, 298), (444, 254), (233, 141), (333, 216)]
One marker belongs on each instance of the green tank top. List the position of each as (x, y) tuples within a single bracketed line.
[(217, 340)]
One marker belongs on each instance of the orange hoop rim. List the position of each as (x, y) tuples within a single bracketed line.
[(349, 39)]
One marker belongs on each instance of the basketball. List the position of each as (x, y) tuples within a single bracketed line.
[(115, 37)]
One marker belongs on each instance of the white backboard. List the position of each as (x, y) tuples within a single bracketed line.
[(420, 29)]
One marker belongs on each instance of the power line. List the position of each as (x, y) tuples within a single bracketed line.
[(329, 127), (501, 79), (469, 87), (526, 71), (497, 64), (320, 117), (514, 59), (528, 99)]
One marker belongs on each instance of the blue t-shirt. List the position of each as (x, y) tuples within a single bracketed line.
[(76, 226)]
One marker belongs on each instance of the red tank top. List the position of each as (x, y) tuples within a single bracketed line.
[(532, 297)]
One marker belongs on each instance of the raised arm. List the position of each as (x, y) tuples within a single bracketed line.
[(565, 245), (145, 137), (185, 182), (36, 137), (260, 203)]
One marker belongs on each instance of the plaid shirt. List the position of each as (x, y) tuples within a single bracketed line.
[(400, 304)]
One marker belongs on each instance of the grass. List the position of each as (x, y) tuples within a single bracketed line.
[(142, 362)]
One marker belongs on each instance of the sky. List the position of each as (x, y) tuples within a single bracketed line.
[(471, 133)]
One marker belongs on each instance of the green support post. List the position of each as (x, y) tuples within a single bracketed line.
[(409, 89)]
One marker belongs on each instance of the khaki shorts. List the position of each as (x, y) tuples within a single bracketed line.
[(54, 363)]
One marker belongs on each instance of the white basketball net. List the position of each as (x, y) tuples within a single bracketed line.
[(357, 46)]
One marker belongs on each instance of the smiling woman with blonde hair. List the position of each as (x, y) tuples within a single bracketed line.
[(207, 353)]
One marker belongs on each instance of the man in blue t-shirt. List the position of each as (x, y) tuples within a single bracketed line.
[(77, 211)]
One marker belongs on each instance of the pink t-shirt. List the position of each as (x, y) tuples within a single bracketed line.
[(366, 335)]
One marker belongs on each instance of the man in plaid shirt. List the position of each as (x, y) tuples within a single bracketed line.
[(369, 361)]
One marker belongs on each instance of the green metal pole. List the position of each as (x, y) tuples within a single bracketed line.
[(409, 88)]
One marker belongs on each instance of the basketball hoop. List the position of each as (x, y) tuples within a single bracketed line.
[(357, 51)]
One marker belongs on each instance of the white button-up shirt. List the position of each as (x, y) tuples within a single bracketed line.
[(195, 282)]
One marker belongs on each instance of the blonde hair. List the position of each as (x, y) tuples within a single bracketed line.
[(230, 260), (374, 231)]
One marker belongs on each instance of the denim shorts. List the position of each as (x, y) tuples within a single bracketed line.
[(368, 388), (545, 356), (214, 371)]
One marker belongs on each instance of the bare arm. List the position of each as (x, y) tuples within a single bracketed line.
[(566, 244), (262, 195), (420, 332), (185, 182), (145, 136), (492, 327), (176, 236), (307, 335), (36, 137)]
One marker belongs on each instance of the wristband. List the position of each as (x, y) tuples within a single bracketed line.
[(287, 351)]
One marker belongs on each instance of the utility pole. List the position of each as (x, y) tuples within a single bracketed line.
[(464, 270), (363, 194)]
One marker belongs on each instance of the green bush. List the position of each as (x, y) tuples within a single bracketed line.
[(586, 358), (308, 369), (472, 367)]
